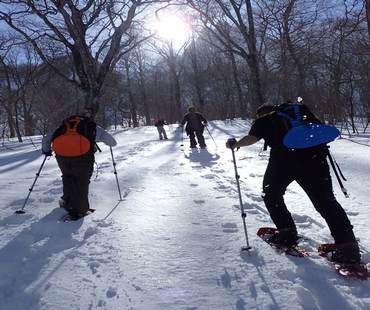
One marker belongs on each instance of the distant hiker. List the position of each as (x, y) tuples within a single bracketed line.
[(310, 169), (159, 123), (195, 123), (74, 144)]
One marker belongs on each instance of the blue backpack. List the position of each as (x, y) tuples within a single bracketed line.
[(296, 127)]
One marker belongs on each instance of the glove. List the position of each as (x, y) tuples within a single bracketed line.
[(47, 154), (230, 143), (205, 124)]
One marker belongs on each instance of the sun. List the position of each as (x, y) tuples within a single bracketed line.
[(173, 28)]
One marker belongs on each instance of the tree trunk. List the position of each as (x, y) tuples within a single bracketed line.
[(130, 95)]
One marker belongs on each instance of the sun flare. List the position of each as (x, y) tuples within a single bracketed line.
[(173, 28)]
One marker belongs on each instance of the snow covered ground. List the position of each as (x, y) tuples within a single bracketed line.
[(174, 241)]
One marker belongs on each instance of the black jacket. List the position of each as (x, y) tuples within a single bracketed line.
[(194, 121)]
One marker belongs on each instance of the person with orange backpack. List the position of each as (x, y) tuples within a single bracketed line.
[(74, 144), (159, 123)]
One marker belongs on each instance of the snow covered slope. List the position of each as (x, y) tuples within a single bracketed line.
[(174, 240)]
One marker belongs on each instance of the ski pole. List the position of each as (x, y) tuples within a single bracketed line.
[(169, 130), (345, 193), (182, 136), (115, 172), (243, 214), (211, 136), (31, 189)]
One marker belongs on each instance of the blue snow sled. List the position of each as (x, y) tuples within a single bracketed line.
[(307, 135)]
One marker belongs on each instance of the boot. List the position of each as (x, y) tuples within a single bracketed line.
[(285, 237), (347, 254)]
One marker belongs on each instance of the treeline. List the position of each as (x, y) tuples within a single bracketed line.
[(240, 55)]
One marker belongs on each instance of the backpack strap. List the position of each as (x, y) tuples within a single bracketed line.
[(293, 121), (79, 117), (71, 126)]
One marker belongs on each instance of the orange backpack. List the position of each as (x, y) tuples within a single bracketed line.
[(71, 138)]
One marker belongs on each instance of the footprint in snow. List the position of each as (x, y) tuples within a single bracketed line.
[(209, 176), (229, 228), (111, 292), (94, 266), (306, 299)]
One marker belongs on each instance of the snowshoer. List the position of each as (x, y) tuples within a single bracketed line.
[(309, 168), (159, 123), (195, 123), (75, 162)]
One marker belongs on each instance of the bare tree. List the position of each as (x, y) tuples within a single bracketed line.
[(367, 10), (174, 61), (131, 99), (94, 34), (20, 88), (232, 24), (194, 71), (204, 65), (140, 60)]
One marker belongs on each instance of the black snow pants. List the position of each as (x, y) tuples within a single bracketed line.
[(311, 171), (76, 174)]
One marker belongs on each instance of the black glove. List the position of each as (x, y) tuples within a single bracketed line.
[(49, 153), (231, 142)]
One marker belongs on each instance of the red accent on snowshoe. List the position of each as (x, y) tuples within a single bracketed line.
[(296, 251), (359, 271)]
